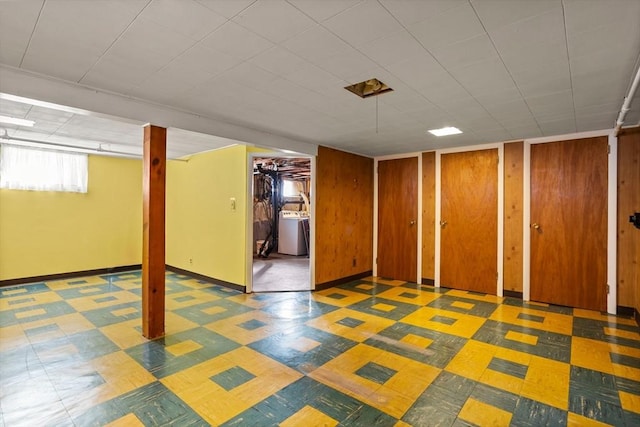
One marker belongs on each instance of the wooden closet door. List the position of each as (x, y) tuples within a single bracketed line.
[(397, 219), (469, 221), (569, 223)]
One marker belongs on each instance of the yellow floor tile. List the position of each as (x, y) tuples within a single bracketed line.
[(575, 420), (630, 402), (547, 381), (395, 396), (465, 327), (311, 417), (121, 374), (481, 414), (129, 420), (230, 327), (29, 313), (194, 386), (596, 315), (417, 340), (92, 302), (621, 333), (422, 298), (383, 307), (183, 347), (13, 337), (553, 322), (350, 297), (31, 300), (371, 324), (520, 337), (472, 360)]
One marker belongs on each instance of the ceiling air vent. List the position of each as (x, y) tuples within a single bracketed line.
[(367, 88)]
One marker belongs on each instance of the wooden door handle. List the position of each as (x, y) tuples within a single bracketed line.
[(443, 223), (535, 226), (412, 223)]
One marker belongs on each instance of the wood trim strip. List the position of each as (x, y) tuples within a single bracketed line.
[(69, 275)]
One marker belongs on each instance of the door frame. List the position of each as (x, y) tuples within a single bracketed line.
[(612, 177), (500, 261), (417, 155), (249, 216)]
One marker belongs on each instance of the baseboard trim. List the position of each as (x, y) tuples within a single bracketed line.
[(342, 281), (209, 279), (426, 281), (69, 275), (512, 294)]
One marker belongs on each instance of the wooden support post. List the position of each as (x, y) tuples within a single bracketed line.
[(153, 245)]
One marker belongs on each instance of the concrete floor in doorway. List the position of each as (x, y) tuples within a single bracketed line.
[(281, 272)]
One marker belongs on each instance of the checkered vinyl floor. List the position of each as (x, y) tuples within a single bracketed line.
[(371, 352)]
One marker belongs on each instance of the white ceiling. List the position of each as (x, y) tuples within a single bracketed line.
[(497, 69)]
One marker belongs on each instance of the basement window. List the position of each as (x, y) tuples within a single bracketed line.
[(24, 168), (292, 188)]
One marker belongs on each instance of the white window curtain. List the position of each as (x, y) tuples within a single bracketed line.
[(24, 168)]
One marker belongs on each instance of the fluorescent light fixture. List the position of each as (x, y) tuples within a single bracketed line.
[(16, 121), (445, 131)]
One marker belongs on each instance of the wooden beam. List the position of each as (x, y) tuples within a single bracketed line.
[(153, 246)]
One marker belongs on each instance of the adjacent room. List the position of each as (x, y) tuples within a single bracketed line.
[(309, 212)]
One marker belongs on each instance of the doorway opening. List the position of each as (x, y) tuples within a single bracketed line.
[(281, 232)]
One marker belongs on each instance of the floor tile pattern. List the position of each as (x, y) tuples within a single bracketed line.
[(372, 352)]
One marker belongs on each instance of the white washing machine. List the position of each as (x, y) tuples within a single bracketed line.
[(291, 232)]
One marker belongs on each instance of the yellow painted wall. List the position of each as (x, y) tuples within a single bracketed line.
[(45, 233), (204, 234)]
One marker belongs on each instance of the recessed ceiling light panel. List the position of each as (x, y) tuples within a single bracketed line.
[(16, 121), (445, 131), (367, 88)]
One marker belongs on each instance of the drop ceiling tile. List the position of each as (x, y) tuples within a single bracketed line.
[(17, 21), (499, 96), (410, 11), (419, 70), (495, 135), (278, 60), (316, 44), (188, 18), (247, 75), (120, 71), (393, 48), (406, 100), (71, 36), (450, 27), (325, 9), (466, 52), (558, 103), (200, 59), (346, 65), (498, 13), (595, 122), (226, 8), (547, 28), (147, 35), (14, 109), (584, 16), (275, 20), (484, 77), (235, 40), (524, 132), (620, 39), (363, 23)]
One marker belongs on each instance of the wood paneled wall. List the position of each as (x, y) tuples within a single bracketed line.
[(628, 262), (513, 215), (428, 215), (343, 215)]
